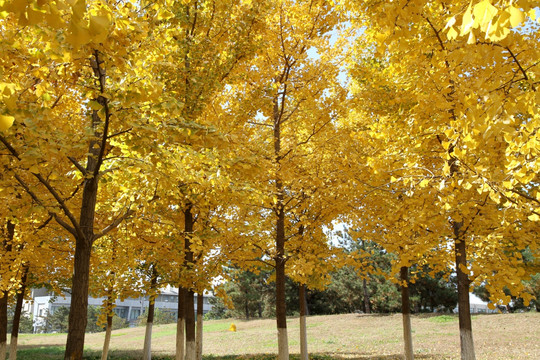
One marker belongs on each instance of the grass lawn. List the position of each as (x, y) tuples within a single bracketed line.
[(365, 337)]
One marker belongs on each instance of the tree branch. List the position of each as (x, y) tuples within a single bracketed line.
[(113, 225), (77, 165)]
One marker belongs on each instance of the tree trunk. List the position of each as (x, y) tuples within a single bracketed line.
[(246, 309), (200, 314), (3, 324), (85, 235), (281, 306), (367, 308), (465, 324), (107, 342), (6, 244), (17, 316), (303, 330), (191, 348), (147, 348), (79, 301), (406, 312), (180, 324)]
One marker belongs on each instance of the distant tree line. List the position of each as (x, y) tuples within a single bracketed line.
[(251, 295)]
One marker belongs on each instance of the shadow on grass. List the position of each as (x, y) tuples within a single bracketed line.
[(33, 352), (57, 353), (329, 356)]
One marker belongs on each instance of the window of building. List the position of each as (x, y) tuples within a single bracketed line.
[(121, 311), (135, 313)]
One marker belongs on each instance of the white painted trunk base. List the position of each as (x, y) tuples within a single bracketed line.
[(407, 337), (467, 345), (106, 343), (180, 338), (191, 350), (283, 344), (303, 339), (13, 348), (147, 350), (3, 350)]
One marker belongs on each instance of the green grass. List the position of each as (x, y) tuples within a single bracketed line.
[(210, 326), (443, 319), (57, 353), (42, 353)]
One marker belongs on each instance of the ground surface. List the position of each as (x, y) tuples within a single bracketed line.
[(366, 337)]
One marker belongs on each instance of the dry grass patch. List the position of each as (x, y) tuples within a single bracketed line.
[(367, 337)]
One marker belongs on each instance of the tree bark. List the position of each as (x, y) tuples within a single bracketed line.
[(367, 308), (190, 351), (3, 324), (191, 348), (6, 244), (17, 315), (107, 341), (464, 308), (79, 301), (281, 306), (147, 349), (406, 313), (180, 324), (303, 330), (200, 314)]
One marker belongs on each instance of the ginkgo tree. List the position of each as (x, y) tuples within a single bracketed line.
[(79, 70), (292, 97), (459, 113)]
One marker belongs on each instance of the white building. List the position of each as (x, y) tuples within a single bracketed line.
[(45, 302), (478, 306)]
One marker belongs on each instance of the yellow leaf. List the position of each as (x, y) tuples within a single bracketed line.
[(483, 13), (534, 217), (516, 16), (94, 105), (472, 39), (452, 34), (99, 25), (5, 122), (467, 22), (424, 183), (446, 169), (78, 35)]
